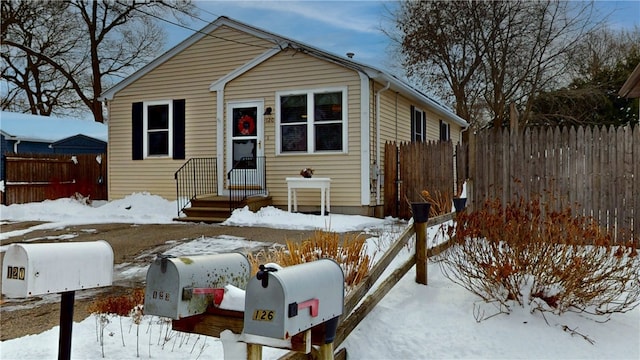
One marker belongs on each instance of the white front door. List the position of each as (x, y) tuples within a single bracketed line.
[(244, 143)]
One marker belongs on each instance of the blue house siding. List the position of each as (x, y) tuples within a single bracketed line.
[(33, 134), (79, 144), (4, 147), (30, 147)]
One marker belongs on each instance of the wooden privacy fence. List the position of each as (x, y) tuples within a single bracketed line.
[(412, 167), (37, 177), (595, 171)]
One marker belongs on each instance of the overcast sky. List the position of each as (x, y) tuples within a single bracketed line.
[(343, 26)]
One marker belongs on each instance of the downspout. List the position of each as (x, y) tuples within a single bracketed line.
[(15, 146), (377, 162), (396, 114), (397, 169), (365, 140)]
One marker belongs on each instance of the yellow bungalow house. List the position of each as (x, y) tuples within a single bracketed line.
[(236, 108)]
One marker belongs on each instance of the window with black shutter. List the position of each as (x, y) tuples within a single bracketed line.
[(158, 129)]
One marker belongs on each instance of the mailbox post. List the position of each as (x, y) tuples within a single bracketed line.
[(50, 268), (67, 299)]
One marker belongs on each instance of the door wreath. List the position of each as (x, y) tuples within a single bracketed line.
[(246, 125)]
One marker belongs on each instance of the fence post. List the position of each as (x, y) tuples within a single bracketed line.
[(254, 352), (420, 217)]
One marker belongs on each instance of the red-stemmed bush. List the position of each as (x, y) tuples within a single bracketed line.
[(555, 261)]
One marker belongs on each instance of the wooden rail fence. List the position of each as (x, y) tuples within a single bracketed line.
[(357, 305), (38, 177)]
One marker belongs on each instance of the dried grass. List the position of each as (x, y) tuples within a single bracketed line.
[(350, 253), (440, 202)]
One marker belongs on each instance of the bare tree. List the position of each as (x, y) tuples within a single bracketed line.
[(603, 50), (598, 68), (112, 38), (491, 53), (440, 44), (32, 84)]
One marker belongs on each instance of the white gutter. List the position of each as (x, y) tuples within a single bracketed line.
[(377, 166), (365, 156), (407, 90)]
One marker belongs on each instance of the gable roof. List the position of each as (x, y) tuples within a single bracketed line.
[(36, 128), (79, 140), (281, 43)]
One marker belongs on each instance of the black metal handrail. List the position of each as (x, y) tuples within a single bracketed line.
[(198, 176), (246, 178)]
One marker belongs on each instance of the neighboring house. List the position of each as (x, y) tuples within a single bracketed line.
[(231, 91), (34, 134), (631, 87)]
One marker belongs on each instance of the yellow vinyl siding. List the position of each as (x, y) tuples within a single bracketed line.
[(433, 125), (289, 71), (187, 75), (396, 106), (456, 134), (395, 123)]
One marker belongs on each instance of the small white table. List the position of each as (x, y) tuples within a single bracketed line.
[(324, 184)]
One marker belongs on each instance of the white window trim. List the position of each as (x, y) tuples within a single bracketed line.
[(311, 122), (423, 124), (145, 128), (448, 132)]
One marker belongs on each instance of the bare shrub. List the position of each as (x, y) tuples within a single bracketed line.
[(350, 253), (525, 253), (122, 305)]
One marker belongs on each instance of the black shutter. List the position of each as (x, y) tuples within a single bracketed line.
[(413, 123), (424, 126), (178, 129), (136, 131)]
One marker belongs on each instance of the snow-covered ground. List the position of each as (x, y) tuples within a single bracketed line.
[(412, 322)]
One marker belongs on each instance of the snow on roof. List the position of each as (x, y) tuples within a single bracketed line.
[(28, 127)]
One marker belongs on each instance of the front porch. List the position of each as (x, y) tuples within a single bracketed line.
[(217, 208), (199, 196)]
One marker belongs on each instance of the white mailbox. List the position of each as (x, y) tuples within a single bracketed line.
[(184, 286), (46, 268), (282, 303)]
